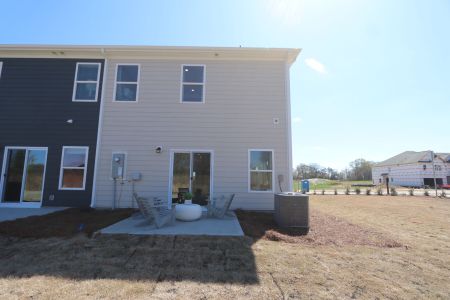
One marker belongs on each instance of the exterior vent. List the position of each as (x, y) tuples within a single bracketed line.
[(292, 211)]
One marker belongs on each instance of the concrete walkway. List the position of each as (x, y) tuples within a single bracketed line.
[(229, 226), (9, 213)]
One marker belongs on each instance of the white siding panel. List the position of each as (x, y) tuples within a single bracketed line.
[(410, 174), (241, 100)]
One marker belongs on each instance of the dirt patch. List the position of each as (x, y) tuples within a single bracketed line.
[(64, 223), (324, 230)]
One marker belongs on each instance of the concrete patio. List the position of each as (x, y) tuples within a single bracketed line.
[(12, 213), (136, 224)]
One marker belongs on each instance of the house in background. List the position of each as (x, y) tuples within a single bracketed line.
[(49, 113), (88, 125), (413, 169)]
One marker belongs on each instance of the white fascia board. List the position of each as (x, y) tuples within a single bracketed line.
[(150, 52)]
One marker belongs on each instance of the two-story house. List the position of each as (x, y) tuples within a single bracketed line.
[(49, 113), (414, 169), (165, 121)]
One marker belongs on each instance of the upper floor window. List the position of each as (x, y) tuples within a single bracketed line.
[(87, 77), (193, 84), (73, 168), (261, 170), (127, 83)]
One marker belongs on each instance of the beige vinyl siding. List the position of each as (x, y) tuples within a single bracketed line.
[(241, 100)]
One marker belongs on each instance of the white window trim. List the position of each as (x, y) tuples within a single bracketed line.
[(127, 82), (267, 171), (61, 168), (75, 81), (1, 67), (193, 83)]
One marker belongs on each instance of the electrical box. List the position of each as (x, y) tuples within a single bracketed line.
[(136, 176), (118, 166)]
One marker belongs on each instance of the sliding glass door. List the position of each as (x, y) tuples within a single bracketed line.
[(191, 172), (15, 162), (201, 177), (24, 170)]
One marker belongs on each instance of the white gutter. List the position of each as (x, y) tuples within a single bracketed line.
[(290, 183), (99, 131)]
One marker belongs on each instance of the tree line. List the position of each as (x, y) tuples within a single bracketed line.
[(359, 169)]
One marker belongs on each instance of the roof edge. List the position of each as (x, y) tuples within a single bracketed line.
[(287, 54)]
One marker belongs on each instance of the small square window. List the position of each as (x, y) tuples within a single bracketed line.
[(87, 77), (127, 73), (86, 91), (127, 83), (192, 93), (193, 74), (193, 81), (87, 72)]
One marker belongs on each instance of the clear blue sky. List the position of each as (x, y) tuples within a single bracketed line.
[(373, 78)]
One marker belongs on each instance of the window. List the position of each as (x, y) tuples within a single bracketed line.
[(260, 170), (73, 168), (87, 76), (127, 83), (1, 65), (193, 84)]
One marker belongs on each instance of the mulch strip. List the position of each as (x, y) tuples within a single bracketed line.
[(324, 230), (64, 223)]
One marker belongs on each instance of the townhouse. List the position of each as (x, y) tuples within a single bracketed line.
[(89, 125)]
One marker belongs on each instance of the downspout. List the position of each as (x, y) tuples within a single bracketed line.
[(288, 127), (99, 129)]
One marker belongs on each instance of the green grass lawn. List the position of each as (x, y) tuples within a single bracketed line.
[(325, 184)]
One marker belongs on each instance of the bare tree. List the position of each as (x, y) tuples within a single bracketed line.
[(359, 169)]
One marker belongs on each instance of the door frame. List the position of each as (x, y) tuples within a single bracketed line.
[(190, 151), (3, 176)]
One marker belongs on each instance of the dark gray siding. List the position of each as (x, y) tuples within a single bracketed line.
[(35, 103)]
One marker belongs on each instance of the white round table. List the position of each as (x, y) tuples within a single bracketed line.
[(188, 212)]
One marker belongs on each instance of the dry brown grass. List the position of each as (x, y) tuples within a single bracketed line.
[(200, 267)]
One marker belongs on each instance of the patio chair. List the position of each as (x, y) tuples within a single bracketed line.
[(219, 208), (155, 211), (141, 207)]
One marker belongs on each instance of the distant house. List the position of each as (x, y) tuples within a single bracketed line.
[(413, 169)]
